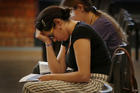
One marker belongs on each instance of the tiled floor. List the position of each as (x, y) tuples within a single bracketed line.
[(14, 64), (18, 62)]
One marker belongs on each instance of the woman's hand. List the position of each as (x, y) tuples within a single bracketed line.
[(44, 78), (39, 35)]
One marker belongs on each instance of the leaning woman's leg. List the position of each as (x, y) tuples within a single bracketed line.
[(55, 86)]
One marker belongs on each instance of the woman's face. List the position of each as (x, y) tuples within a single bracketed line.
[(78, 13), (58, 33), (75, 15)]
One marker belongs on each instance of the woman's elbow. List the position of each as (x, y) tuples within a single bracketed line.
[(84, 77)]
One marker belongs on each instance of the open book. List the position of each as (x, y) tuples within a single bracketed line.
[(43, 68)]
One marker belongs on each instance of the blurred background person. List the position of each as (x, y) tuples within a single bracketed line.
[(101, 22)]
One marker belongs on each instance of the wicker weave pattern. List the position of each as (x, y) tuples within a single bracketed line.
[(57, 86)]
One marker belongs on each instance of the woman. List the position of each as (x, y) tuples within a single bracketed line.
[(82, 50), (104, 24)]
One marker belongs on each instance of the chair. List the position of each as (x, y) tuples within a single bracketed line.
[(137, 39), (129, 27), (107, 88), (122, 75)]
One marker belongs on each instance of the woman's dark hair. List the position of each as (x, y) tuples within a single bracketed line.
[(88, 6), (44, 21)]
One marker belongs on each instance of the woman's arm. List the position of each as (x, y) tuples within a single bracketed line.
[(83, 54), (56, 65)]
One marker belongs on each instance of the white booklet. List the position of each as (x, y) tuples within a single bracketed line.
[(43, 67), (30, 77)]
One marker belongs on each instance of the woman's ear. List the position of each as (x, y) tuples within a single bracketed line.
[(57, 21), (80, 7)]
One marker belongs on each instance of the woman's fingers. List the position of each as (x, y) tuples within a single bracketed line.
[(43, 78), (37, 33), (41, 37)]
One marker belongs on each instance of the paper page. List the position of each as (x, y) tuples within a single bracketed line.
[(43, 67), (30, 77)]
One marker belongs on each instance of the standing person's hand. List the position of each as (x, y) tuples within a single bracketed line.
[(39, 35)]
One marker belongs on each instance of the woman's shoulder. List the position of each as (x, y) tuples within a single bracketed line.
[(82, 30), (103, 20), (105, 24), (83, 27)]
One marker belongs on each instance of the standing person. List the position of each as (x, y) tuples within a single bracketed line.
[(100, 21), (82, 50)]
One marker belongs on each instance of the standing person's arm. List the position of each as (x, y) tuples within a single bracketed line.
[(56, 65)]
